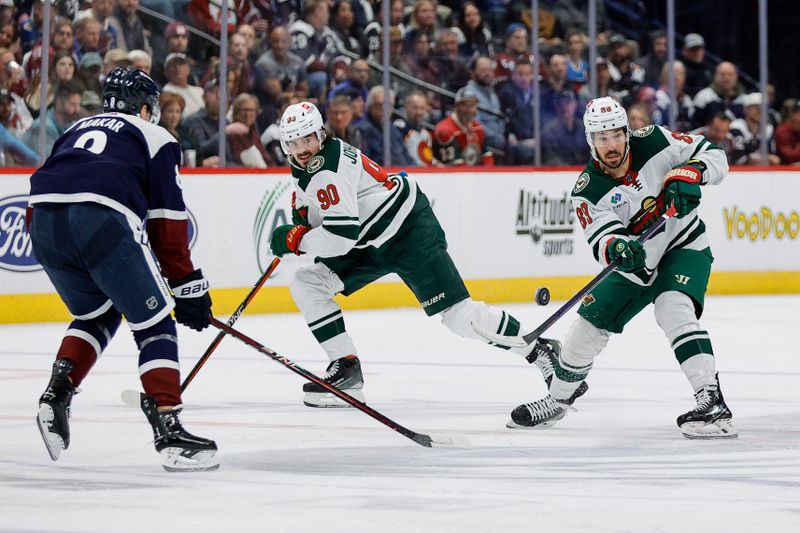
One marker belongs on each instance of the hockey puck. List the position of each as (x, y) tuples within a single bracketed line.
[(542, 296)]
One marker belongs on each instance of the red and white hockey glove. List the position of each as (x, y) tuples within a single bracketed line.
[(286, 238), (682, 186)]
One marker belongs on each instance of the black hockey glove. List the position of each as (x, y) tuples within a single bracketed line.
[(192, 300)]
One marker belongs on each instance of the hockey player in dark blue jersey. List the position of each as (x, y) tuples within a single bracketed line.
[(110, 185)]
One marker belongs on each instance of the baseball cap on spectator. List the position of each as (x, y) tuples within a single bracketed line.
[(91, 100), (752, 99), (176, 28), (616, 40), (91, 59), (694, 40), (466, 93), (514, 26), (395, 34), (7, 3), (116, 55), (175, 56)]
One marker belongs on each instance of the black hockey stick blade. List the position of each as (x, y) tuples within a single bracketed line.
[(438, 440), (521, 341)]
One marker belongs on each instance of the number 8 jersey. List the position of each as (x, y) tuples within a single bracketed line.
[(606, 207), (352, 201)]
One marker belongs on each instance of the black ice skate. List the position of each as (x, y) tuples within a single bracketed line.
[(345, 375), (711, 418), (180, 450), (539, 414), (545, 356), (54, 409)]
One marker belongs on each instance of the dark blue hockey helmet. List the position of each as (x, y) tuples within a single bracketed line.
[(128, 89)]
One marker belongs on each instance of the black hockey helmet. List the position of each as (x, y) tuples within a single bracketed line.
[(128, 89)]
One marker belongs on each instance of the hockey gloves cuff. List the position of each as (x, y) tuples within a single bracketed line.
[(682, 187), (299, 213), (287, 239), (192, 300), (631, 252)]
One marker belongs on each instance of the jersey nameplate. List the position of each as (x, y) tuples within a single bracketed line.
[(583, 181), (315, 164), (644, 132)]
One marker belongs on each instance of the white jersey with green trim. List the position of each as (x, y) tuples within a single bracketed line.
[(608, 207), (352, 201)]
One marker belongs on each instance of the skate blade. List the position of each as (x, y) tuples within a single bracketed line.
[(328, 400), (173, 460), (52, 441), (719, 429), (543, 425)]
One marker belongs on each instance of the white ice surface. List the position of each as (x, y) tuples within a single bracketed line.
[(617, 464)]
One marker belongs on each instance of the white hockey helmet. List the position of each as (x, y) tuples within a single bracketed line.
[(298, 121), (603, 114)]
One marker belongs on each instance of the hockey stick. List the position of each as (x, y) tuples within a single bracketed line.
[(528, 338), (133, 398), (431, 441)]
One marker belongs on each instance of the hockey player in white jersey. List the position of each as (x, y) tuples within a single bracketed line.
[(630, 182), (360, 223)]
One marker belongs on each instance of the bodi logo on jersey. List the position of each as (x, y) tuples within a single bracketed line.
[(548, 220), (16, 249)]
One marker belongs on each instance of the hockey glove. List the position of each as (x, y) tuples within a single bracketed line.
[(192, 300), (299, 214), (631, 252), (287, 239), (682, 187)]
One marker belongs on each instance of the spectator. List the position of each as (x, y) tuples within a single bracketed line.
[(177, 36), (127, 19), (653, 62), (13, 152), (244, 140), (371, 39), (251, 42), (344, 26), (116, 57), (415, 129), (423, 21), (315, 43), (90, 104), (474, 38), (271, 138), (399, 86), (516, 49), (358, 103), (517, 101), (684, 117), (176, 68), (371, 128), (419, 59), (459, 139), (724, 94), (9, 38), (698, 70), (172, 106), (141, 60), (746, 138), (554, 85), (33, 89), (787, 137), (110, 30), (494, 125), (450, 69), (58, 118), (563, 136), (237, 60), (62, 39), (718, 132), (30, 27), (278, 70), (356, 79), (204, 124), (577, 66), (207, 16), (340, 121), (626, 76), (638, 117), (63, 66), (87, 37), (19, 119), (7, 11)]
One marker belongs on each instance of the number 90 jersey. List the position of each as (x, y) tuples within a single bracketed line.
[(352, 201), (117, 160), (607, 207)]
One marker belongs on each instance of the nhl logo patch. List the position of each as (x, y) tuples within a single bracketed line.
[(583, 181), (151, 303), (644, 132), (315, 164)]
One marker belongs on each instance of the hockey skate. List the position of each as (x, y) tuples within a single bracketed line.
[(545, 356), (711, 418), (345, 375), (180, 450), (54, 409)]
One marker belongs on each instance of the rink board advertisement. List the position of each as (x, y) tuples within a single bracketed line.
[(508, 232)]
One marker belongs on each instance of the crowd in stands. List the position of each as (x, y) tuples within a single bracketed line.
[(281, 52)]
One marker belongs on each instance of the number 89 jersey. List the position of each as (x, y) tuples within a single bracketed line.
[(607, 207), (352, 201), (117, 160)]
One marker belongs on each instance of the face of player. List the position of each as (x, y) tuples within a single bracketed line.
[(609, 146), (304, 149)]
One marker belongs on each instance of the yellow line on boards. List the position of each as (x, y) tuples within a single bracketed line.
[(22, 308)]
